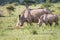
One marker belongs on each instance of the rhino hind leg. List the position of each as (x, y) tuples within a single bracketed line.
[(46, 22), (50, 24), (56, 23)]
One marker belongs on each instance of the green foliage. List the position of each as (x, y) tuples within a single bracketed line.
[(47, 1), (28, 2), (46, 5), (10, 8), (34, 32)]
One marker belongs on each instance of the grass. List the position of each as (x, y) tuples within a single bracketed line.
[(33, 32)]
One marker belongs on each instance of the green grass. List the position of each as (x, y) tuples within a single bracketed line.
[(9, 31)]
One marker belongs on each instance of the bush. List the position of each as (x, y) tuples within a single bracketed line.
[(46, 5), (10, 8), (35, 32), (29, 2), (16, 4)]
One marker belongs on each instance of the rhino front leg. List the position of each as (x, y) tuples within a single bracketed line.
[(29, 21)]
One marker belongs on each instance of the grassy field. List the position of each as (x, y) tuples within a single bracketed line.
[(9, 31)]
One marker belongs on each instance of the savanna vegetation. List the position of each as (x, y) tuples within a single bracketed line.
[(8, 19)]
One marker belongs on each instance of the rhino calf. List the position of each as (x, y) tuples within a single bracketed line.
[(48, 19)]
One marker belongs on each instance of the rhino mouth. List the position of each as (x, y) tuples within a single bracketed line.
[(21, 25)]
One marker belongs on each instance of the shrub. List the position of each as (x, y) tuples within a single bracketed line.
[(46, 5), (35, 32), (10, 8), (28, 2)]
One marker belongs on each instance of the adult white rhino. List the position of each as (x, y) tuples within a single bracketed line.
[(31, 15)]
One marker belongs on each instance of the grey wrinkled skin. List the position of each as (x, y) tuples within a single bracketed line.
[(48, 19), (31, 15)]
